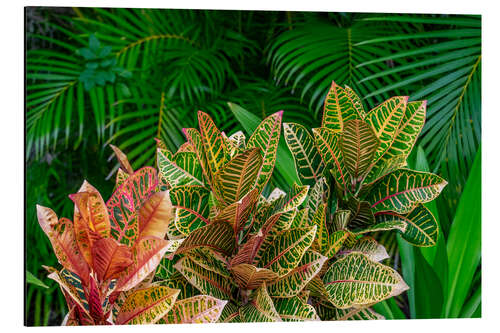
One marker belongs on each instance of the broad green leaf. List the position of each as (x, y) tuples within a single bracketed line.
[(287, 250), (420, 227), (464, 242), (155, 215), (64, 243), (266, 137), (355, 280), (218, 236), (248, 276), (260, 308), (32, 279), (385, 120), (210, 260), (293, 309), (191, 207), (389, 309), (426, 283), (216, 151), (338, 108), (172, 174), (238, 177), (206, 281), (369, 247), (358, 144), (402, 189), (197, 309), (125, 202), (308, 163), (147, 306), (146, 255), (295, 281), (328, 143)]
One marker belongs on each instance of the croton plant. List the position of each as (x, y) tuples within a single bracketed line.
[(198, 240)]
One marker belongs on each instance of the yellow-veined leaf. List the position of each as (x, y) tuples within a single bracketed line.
[(260, 308), (308, 163), (230, 314), (191, 207), (355, 280), (356, 101), (328, 143), (248, 276), (218, 236), (210, 260), (195, 310), (338, 108), (238, 213), (266, 137), (322, 240), (216, 151), (147, 306), (172, 174), (369, 247), (402, 189), (293, 309)]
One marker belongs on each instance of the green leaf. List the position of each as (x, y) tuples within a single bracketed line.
[(31, 279), (428, 290), (174, 175), (216, 151), (293, 309), (355, 280), (339, 108), (358, 144), (328, 144), (238, 177), (197, 309), (420, 227), (464, 242), (295, 281), (266, 137), (218, 236), (287, 249), (308, 163), (369, 247), (402, 189), (260, 308), (191, 207)]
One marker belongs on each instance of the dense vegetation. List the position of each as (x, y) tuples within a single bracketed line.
[(98, 76)]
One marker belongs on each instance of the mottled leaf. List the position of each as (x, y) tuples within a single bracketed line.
[(328, 143), (195, 310), (293, 309), (191, 207), (260, 308), (338, 108), (218, 236)]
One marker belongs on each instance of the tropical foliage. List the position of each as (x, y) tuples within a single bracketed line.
[(197, 241), (125, 76)]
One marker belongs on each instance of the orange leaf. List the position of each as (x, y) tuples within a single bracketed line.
[(110, 258), (155, 215)]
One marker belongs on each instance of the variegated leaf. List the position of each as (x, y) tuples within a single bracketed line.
[(266, 137), (210, 260), (383, 167), (218, 236), (293, 309), (110, 258), (369, 247), (124, 204), (230, 314), (287, 249), (358, 144), (317, 196), (327, 311), (172, 174), (301, 219), (338, 108), (238, 140), (155, 215), (196, 142), (385, 120), (260, 308), (402, 189), (355, 280), (294, 282), (122, 159), (356, 101), (165, 268), (120, 177), (146, 255), (293, 199), (322, 240), (248, 276), (308, 163), (195, 310), (206, 281), (216, 151), (341, 218), (337, 239), (361, 214), (191, 207), (328, 143), (420, 226), (147, 306), (238, 177), (62, 237), (239, 212), (384, 226), (71, 285), (188, 161), (248, 250), (178, 281)]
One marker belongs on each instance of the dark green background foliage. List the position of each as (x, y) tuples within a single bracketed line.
[(126, 76)]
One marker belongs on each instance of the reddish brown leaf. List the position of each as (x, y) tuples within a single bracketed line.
[(110, 258), (155, 215)]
